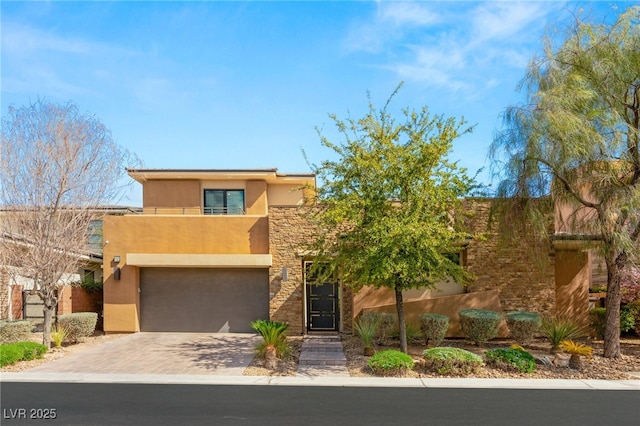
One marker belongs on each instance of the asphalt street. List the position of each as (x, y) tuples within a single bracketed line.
[(28, 403)]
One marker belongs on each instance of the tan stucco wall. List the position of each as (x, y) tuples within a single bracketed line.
[(285, 195), (255, 197), (168, 234), (445, 305), (171, 193), (572, 273)]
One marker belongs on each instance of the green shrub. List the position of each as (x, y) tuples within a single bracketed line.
[(390, 363), (78, 325), (523, 325), (598, 321), (559, 329), (511, 359), (628, 313), (434, 328), (31, 350), (628, 317), (10, 354), (451, 361), (636, 305), (15, 331), (388, 326), (479, 325), (20, 351), (274, 336), (412, 330), (367, 329)]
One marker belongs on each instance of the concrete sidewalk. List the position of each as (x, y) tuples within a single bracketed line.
[(631, 385)]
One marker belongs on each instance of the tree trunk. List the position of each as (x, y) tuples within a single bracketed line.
[(575, 362), (270, 358), (49, 312), (612, 304), (401, 321)]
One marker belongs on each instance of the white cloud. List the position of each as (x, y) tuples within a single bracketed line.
[(461, 46), (407, 13)]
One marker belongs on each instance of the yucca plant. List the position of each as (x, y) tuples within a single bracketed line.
[(576, 350), (559, 329), (274, 344), (58, 335), (367, 329)]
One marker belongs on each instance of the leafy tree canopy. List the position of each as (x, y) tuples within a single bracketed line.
[(577, 138), (389, 201)]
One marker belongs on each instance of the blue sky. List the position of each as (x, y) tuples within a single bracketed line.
[(245, 84)]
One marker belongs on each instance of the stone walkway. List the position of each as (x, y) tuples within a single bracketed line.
[(322, 356)]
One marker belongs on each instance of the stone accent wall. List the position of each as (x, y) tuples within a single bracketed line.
[(288, 229), (526, 282)]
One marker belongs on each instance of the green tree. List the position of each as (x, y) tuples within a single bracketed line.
[(387, 204), (576, 138), (57, 166)]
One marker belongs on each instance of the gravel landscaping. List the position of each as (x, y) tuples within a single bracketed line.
[(597, 367)]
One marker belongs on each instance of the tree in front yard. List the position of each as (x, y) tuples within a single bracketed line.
[(577, 138), (57, 166), (387, 205)]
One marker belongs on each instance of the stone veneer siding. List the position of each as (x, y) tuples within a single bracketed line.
[(288, 231), (510, 265)]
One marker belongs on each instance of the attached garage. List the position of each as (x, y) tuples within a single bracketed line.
[(208, 300)]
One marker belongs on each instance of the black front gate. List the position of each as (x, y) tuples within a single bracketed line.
[(322, 305)]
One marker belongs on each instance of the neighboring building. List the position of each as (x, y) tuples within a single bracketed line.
[(17, 301), (214, 250)]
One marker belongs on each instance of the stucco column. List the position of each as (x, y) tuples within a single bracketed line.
[(572, 269)]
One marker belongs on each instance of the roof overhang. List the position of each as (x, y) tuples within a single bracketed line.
[(271, 176), (562, 241), (170, 260)]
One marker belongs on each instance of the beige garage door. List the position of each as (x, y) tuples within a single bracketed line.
[(203, 300)]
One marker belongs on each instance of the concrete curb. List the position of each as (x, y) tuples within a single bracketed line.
[(632, 385)]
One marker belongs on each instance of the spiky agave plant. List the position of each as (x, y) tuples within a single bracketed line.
[(367, 328), (576, 350), (58, 335), (559, 329)]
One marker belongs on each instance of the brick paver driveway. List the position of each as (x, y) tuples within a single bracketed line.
[(161, 353)]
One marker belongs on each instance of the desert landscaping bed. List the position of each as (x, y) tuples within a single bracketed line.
[(595, 368)]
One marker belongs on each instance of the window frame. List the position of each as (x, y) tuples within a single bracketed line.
[(214, 210)]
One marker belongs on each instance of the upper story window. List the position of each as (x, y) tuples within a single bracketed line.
[(223, 201)]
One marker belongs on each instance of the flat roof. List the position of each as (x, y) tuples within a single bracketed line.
[(269, 175)]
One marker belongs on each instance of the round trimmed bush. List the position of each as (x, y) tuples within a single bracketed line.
[(78, 325), (480, 325), (390, 363), (454, 361), (511, 359), (15, 331), (523, 325), (434, 328)]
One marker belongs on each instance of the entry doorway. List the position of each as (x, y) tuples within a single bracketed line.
[(322, 303)]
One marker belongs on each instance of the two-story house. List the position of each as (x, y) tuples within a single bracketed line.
[(214, 250), (204, 255)]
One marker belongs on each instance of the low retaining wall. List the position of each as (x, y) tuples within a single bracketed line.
[(450, 306)]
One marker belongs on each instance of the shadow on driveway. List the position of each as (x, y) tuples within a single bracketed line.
[(162, 353)]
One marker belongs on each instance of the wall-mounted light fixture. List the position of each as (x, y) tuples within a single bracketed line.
[(116, 268), (285, 275)]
